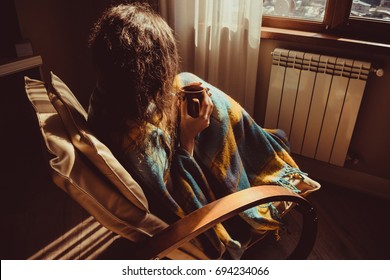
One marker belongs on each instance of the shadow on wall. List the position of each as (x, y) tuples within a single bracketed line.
[(58, 31)]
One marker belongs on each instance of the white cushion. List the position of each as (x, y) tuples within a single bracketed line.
[(89, 173), (74, 117)]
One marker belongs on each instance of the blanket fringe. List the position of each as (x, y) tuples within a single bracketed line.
[(291, 174)]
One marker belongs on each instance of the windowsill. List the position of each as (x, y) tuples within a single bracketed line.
[(322, 39)]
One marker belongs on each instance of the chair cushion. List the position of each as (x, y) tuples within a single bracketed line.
[(74, 117), (89, 173)]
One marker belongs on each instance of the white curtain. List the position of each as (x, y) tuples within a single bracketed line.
[(219, 41)]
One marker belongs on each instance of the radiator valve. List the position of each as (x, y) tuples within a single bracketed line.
[(353, 159), (379, 72)]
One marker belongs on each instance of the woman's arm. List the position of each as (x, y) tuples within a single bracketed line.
[(190, 127)]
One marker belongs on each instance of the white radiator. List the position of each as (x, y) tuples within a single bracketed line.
[(315, 99)]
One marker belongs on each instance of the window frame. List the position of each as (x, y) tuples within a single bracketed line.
[(337, 22)]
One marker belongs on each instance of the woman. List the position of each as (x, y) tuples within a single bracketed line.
[(181, 162)]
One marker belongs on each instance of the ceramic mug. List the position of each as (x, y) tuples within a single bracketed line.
[(194, 96)]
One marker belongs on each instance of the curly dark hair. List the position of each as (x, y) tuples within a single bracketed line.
[(136, 59)]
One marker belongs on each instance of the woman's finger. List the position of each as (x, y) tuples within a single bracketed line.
[(207, 105), (183, 107), (194, 84)]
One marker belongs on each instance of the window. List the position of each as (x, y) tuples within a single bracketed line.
[(305, 9), (371, 9), (361, 19)]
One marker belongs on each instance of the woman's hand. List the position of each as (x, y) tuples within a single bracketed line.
[(189, 126)]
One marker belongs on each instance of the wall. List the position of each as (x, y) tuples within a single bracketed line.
[(371, 138), (9, 29), (58, 31)]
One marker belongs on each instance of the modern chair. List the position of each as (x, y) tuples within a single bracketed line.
[(86, 169)]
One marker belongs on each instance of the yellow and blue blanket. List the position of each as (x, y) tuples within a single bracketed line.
[(232, 154)]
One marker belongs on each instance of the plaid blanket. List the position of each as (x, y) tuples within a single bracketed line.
[(232, 154)]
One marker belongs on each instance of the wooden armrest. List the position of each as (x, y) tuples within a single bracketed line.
[(222, 209)]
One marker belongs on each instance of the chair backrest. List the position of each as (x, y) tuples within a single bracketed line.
[(85, 168)]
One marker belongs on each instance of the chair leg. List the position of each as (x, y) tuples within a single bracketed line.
[(309, 232)]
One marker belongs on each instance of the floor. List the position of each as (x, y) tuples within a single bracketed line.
[(351, 226)]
